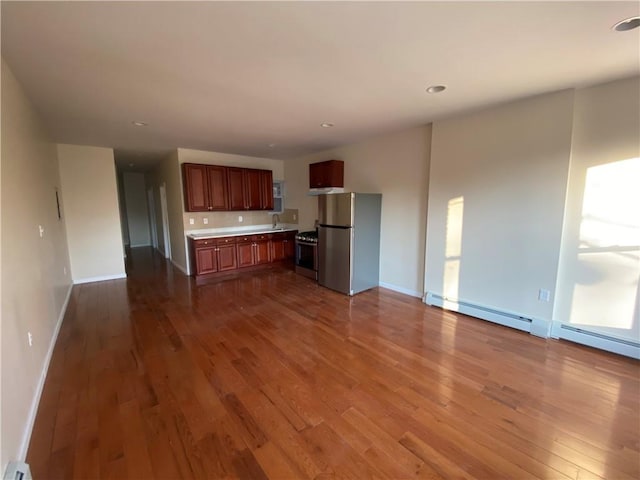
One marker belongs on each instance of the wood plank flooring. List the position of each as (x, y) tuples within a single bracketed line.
[(269, 376)]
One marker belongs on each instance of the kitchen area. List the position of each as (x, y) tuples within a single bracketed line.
[(341, 253)]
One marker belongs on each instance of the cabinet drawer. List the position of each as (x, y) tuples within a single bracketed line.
[(225, 240), (204, 242)]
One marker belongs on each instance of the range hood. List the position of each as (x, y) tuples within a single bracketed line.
[(325, 190)]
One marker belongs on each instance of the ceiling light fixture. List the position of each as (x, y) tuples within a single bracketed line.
[(139, 124), (627, 24), (436, 89), (326, 125), (271, 145)]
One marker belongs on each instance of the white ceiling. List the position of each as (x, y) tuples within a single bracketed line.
[(237, 77)]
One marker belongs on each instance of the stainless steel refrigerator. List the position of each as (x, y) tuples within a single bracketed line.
[(349, 241)]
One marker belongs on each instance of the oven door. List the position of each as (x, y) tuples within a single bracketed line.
[(307, 258)]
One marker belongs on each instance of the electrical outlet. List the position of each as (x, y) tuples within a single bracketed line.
[(295, 217), (240, 218), (30, 338), (544, 295), (41, 230), (192, 221), (64, 270), (205, 221)]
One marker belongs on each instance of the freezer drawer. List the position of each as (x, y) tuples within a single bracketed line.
[(334, 258)]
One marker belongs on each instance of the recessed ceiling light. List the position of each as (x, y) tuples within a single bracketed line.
[(436, 89), (271, 145), (627, 24), (131, 164), (326, 125), (139, 124)]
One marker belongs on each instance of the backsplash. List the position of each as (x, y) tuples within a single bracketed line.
[(230, 219)]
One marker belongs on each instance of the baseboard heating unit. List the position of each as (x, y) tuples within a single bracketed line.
[(508, 319), (602, 341)]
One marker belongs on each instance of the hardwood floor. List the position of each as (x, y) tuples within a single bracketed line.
[(271, 376)]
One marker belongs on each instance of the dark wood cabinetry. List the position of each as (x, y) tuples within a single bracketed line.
[(205, 187), (250, 189), (228, 254), (214, 255), (215, 188), (326, 174), (266, 190), (282, 246), (235, 178), (254, 250)]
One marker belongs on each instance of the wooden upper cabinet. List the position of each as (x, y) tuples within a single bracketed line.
[(212, 187), (205, 187), (326, 174), (217, 177), (235, 178), (253, 185), (196, 188), (249, 189), (266, 190)]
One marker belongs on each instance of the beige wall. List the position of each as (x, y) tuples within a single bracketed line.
[(92, 217), (496, 201), (137, 212), (168, 173), (600, 257), (395, 165), (35, 287)]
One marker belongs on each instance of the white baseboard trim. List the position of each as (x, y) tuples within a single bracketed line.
[(99, 279), (180, 267), (26, 437), (398, 289)]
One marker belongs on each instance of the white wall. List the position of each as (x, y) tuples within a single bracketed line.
[(600, 256), (395, 165), (135, 200), (35, 287), (90, 195), (496, 200)]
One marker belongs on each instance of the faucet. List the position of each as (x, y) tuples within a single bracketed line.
[(276, 219)]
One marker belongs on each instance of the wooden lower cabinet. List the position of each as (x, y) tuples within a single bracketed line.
[(254, 250), (282, 246), (226, 254), (214, 255)]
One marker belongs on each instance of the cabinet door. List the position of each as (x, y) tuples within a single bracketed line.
[(217, 182), (227, 258), (289, 247), (326, 174), (278, 249), (253, 186), (235, 182), (262, 252), (266, 189), (245, 254), (206, 260), (196, 188)]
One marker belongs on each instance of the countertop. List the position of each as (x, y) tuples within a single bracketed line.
[(239, 232)]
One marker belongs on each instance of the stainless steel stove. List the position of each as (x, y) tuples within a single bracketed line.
[(307, 254)]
